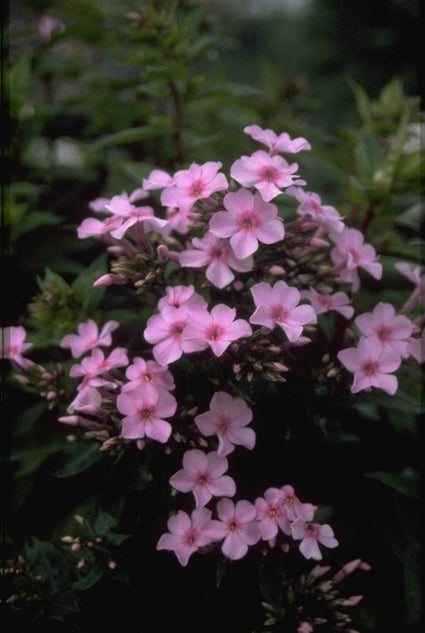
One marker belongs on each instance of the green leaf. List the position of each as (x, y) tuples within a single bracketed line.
[(131, 135), (406, 483), (362, 101), (79, 459), (89, 296), (369, 157), (103, 522), (90, 578)]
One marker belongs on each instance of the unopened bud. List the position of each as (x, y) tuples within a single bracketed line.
[(109, 280), (162, 251), (111, 564), (238, 285), (277, 270), (81, 520), (67, 539), (75, 547), (140, 444), (50, 395), (352, 601)]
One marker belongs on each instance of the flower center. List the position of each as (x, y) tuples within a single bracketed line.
[(197, 189), (202, 480), (384, 333), (191, 538), (145, 414), (223, 425), (147, 378), (215, 332), (370, 367), (233, 526), (278, 313), (177, 329), (268, 173), (272, 512)]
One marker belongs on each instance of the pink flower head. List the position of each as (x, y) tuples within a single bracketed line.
[(311, 206), (268, 174), (187, 534), (148, 376), (144, 414), (323, 302), (392, 330), (216, 329), (92, 227), (240, 528), (414, 275), (271, 514), (121, 206), (165, 331), (157, 179), (180, 220), (88, 337), (12, 345), (277, 143), (203, 474), (311, 534), (278, 305), (195, 183), (248, 219), (371, 364), (228, 419), (294, 509), (97, 364), (179, 296), (351, 253), (218, 256)]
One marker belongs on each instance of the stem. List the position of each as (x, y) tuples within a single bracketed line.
[(369, 215), (177, 122)]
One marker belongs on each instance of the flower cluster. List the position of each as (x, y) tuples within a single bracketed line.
[(240, 282)]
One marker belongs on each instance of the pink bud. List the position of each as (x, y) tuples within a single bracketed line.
[(109, 280), (50, 395), (352, 601), (277, 270), (238, 286), (162, 251), (305, 627), (75, 547)]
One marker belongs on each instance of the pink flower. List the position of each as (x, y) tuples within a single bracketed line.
[(203, 474), (219, 258), (88, 337), (371, 364), (178, 296), (305, 627), (322, 302), (97, 364), (92, 227), (157, 179), (416, 348), (148, 376), (268, 174), (216, 329), (195, 183), (122, 207), (227, 418), (12, 345), (271, 514), (144, 414), (294, 509), (281, 143), (311, 534), (414, 275), (351, 253), (187, 534), (248, 219), (165, 331), (311, 206), (180, 220), (392, 330), (278, 305), (240, 528)]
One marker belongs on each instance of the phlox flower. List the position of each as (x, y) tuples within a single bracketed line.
[(311, 534), (157, 179), (416, 348), (240, 528), (89, 337), (165, 331), (311, 206), (277, 143), (216, 329), (121, 206), (248, 219), (12, 345), (97, 364), (278, 305), (371, 364), (228, 419), (414, 275), (350, 253), (271, 514), (180, 220), (390, 329), (203, 474), (218, 256), (294, 508), (88, 400), (322, 302), (268, 174), (192, 184), (177, 296), (188, 533), (92, 227), (144, 414), (148, 376)]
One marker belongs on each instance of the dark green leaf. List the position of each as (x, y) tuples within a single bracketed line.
[(79, 459)]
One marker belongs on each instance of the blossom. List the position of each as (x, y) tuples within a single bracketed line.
[(157, 179), (216, 329), (323, 302), (268, 174), (277, 143), (89, 337), (121, 206), (165, 331), (311, 206), (240, 528), (187, 534), (218, 256), (350, 253), (271, 514), (97, 364), (195, 183), (227, 418), (391, 330), (294, 508), (178, 296), (371, 364), (203, 474), (148, 376), (414, 275), (248, 219), (278, 305), (144, 414), (12, 345), (311, 534)]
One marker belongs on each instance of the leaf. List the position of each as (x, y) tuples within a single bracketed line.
[(369, 157), (89, 579), (406, 483), (362, 101), (103, 522), (131, 135), (89, 296), (79, 459)]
